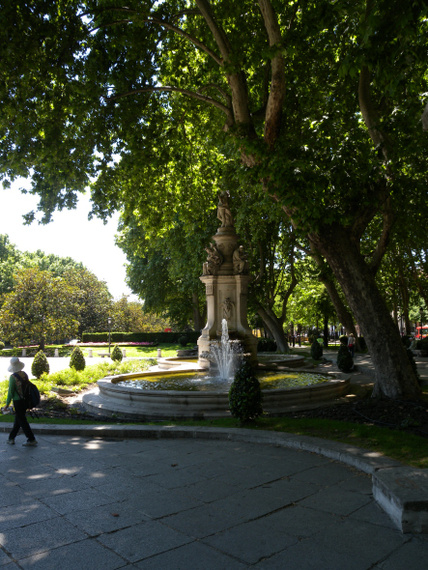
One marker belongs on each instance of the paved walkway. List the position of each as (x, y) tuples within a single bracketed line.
[(79, 501)]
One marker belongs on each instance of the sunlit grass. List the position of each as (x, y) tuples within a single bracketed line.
[(77, 381)]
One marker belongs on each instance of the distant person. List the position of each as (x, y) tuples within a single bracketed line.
[(351, 344), (15, 394)]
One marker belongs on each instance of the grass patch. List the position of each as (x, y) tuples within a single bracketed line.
[(406, 447), (77, 381)]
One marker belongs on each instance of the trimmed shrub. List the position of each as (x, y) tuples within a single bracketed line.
[(266, 345), (40, 364), (77, 360), (345, 362), (316, 350), (183, 340), (116, 354), (1, 345), (124, 337), (245, 396)]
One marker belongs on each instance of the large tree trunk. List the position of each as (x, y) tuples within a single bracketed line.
[(343, 314), (274, 325), (394, 376)]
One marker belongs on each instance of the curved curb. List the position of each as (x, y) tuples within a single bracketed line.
[(401, 491)]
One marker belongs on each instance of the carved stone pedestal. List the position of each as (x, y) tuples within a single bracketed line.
[(226, 281)]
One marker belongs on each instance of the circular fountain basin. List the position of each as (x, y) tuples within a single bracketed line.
[(114, 398)]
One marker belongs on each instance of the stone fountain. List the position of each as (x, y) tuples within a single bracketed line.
[(226, 278)]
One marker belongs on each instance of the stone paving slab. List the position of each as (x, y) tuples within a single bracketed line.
[(171, 503), (410, 514)]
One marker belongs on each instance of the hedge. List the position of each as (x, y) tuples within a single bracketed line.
[(158, 338)]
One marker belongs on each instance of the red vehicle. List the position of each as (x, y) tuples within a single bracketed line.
[(421, 332)]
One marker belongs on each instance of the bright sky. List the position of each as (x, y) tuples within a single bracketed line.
[(70, 234)]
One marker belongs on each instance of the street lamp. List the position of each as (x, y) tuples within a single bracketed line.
[(109, 334)]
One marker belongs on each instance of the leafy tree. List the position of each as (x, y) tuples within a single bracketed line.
[(320, 101), (92, 297), (127, 316), (165, 271), (40, 309), (9, 258)]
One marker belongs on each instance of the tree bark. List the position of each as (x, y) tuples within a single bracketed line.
[(343, 314), (274, 325), (394, 377)]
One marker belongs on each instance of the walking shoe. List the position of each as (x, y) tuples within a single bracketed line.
[(30, 443), (11, 441)]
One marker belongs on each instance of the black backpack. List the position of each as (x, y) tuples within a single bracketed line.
[(30, 392)]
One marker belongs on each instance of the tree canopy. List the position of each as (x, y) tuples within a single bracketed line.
[(318, 103)]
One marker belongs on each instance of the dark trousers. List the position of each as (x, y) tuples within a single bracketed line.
[(21, 421)]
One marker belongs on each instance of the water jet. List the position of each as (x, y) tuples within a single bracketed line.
[(224, 341)]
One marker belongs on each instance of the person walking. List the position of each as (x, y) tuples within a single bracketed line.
[(351, 344), (15, 394)]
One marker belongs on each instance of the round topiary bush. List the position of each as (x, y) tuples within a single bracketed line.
[(345, 362), (40, 364), (316, 350), (183, 340), (77, 360), (266, 345), (245, 396), (116, 354)]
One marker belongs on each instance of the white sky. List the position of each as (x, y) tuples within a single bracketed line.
[(70, 234)]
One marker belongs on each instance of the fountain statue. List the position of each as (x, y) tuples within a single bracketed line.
[(226, 278), (225, 338)]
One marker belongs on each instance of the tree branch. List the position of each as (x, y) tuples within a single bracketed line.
[(277, 86), (235, 77), (167, 26), (226, 110)]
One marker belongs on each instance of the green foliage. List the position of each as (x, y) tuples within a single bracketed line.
[(40, 364), (345, 362), (152, 337), (93, 300), (266, 345), (183, 340), (1, 345), (77, 360), (316, 350), (79, 380), (245, 396), (41, 308), (116, 354), (160, 106)]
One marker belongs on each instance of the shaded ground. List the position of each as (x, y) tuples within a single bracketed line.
[(407, 416)]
